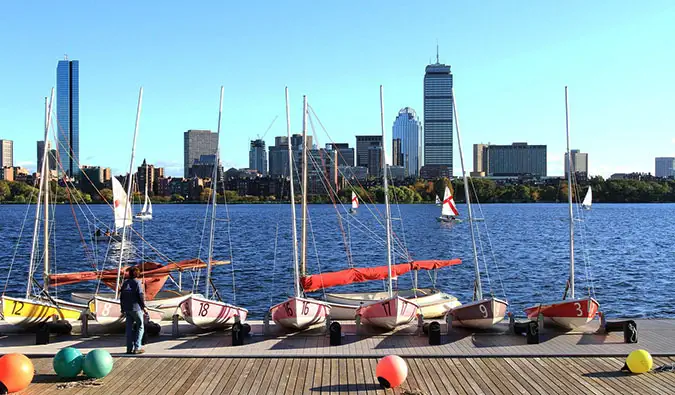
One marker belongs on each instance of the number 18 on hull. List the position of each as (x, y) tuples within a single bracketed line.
[(210, 314)]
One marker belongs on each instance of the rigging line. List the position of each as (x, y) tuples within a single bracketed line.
[(18, 241), (274, 261), (316, 252), (229, 237)]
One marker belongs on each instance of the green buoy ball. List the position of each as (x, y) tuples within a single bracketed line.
[(97, 364), (68, 362)]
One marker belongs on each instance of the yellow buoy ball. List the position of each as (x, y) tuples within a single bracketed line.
[(639, 361), (391, 371)]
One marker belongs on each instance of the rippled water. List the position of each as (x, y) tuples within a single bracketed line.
[(630, 248)]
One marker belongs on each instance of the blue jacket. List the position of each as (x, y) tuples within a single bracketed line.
[(131, 295)]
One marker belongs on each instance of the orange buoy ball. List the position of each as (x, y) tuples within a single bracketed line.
[(391, 371), (16, 372)]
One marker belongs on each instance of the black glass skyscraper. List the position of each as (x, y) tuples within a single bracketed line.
[(68, 114)]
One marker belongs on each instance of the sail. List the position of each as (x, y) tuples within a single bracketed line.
[(121, 206), (438, 200), (449, 208), (145, 205), (149, 204), (358, 275), (355, 201), (588, 200)]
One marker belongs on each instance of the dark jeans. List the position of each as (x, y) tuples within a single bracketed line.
[(134, 330)]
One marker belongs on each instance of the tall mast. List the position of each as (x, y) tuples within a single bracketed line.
[(45, 181), (387, 217), (214, 190), (303, 268), (127, 202), (467, 197), (296, 269), (569, 195), (145, 202)]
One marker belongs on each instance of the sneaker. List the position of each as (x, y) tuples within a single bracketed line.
[(139, 351)]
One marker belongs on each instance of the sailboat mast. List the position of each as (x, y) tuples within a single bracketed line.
[(467, 197), (44, 175), (145, 202), (214, 193), (296, 269), (569, 195), (127, 202), (303, 269), (387, 214)]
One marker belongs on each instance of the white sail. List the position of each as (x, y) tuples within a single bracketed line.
[(122, 208), (438, 200), (355, 201), (147, 199), (145, 205), (588, 200), (449, 208)]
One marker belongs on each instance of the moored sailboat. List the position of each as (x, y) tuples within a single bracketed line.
[(574, 312)]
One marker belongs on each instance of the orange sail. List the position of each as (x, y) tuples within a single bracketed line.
[(358, 275), (153, 275)]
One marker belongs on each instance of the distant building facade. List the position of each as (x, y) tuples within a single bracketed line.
[(479, 164), (406, 133), (375, 156), (51, 163), (68, 114), (257, 156), (363, 144), (278, 155), (195, 144), (438, 115), (203, 167), (579, 162), (431, 172), (6, 153), (665, 167), (517, 159)]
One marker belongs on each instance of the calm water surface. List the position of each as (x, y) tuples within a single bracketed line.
[(627, 250)]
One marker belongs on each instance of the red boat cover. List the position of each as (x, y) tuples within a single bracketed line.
[(354, 275), (153, 275)]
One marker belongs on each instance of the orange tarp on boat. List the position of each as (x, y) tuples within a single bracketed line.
[(354, 275), (153, 275)]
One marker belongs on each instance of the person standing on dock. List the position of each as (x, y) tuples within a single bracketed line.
[(132, 302)]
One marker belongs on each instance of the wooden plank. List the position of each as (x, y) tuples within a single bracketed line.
[(190, 376), (231, 374), (425, 381), (177, 377), (562, 365), (343, 380), (301, 377), (508, 378), (118, 377), (147, 375), (214, 377), (271, 383), (499, 383), (537, 375), (325, 375), (521, 376), (260, 370)]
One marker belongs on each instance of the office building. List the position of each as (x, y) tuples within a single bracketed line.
[(257, 156), (665, 167), (345, 154), (579, 162), (432, 172), (363, 144), (146, 174), (51, 156), (68, 114), (278, 157), (517, 159), (6, 153), (438, 115), (375, 156), (195, 144), (407, 129), (479, 164), (203, 167)]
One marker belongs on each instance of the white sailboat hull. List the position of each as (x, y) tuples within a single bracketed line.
[(210, 314), (168, 302), (389, 313), (143, 216), (432, 303), (300, 313), (108, 312)]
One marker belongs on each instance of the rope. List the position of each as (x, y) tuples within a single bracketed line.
[(16, 246)]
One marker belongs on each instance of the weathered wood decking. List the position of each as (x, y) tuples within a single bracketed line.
[(580, 375)]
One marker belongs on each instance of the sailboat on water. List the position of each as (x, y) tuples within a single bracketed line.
[(146, 211), (204, 311), (482, 312), (438, 201), (588, 199), (449, 211), (355, 203), (573, 312), (299, 312)]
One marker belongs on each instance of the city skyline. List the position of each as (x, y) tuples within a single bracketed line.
[(509, 77)]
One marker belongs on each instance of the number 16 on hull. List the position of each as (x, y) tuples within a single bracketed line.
[(299, 313)]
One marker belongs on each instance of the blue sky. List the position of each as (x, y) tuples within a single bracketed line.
[(510, 61)]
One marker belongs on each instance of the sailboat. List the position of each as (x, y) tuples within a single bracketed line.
[(203, 311), (449, 211), (121, 213), (299, 312), (482, 312), (574, 312), (355, 203), (393, 310), (34, 309), (438, 201), (146, 211), (588, 199)]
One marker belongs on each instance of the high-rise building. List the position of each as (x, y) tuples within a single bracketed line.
[(6, 153), (142, 179), (257, 156), (665, 167), (579, 162), (278, 157), (68, 114), (479, 164), (517, 159), (345, 155), (438, 115), (363, 144), (195, 144), (375, 156), (51, 156), (407, 129), (396, 155)]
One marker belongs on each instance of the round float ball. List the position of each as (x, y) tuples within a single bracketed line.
[(16, 372), (97, 364), (68, 362), (639, 361), (391, 371)]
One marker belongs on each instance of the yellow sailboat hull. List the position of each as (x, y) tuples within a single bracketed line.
[(32, 312)]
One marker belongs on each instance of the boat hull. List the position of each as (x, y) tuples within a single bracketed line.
[(168, 302), (108, 312), (31, 312), (432, 303), (481, 314), (448, 219), (143, 217), (388, 313), (567, 314), (210, 314), (300, 313)]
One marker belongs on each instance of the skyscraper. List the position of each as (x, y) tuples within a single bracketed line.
[(68, 114), (579, 162), (195, 144), (517, 159), (6, 153), (363, 143), (407, 129), (438, 115), (51, 156), (257, 156), (665, 167)]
